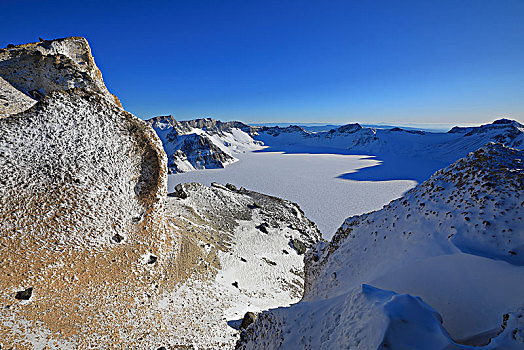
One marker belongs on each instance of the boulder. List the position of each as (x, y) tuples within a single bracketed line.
[(248, 319)]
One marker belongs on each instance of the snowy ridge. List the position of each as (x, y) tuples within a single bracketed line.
[(445, 147), (456, 241), (236, 137), (202, 143)]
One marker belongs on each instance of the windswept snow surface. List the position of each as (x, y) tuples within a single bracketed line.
[(311, 180)]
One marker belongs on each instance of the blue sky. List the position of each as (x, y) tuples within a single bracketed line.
[(456, 62)]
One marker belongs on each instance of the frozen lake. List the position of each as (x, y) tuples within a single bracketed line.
[(311, 180)]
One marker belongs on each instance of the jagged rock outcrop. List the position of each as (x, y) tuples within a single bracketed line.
[(209, 125), (13, 101), (197, 152), (202, 143), (36, 69), (456, 241)]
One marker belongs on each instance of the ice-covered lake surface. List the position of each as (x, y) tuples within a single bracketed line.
[(311, 180)]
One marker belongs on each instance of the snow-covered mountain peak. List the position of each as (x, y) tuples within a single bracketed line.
[(348, 128), (505, 121), (202, 143), (507, 131)]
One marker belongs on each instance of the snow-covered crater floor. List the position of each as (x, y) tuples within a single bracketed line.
[(311, 180)]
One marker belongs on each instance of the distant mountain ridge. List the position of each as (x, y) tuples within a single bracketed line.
[(202, 143), (209, 143)]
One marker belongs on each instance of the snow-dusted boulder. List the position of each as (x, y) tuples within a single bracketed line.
[(456, 241)]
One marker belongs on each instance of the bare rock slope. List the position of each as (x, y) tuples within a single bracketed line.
[(241, 251)]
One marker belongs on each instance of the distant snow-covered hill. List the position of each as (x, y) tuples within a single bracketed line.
[(446, 147), (440, 268), (208, 143)]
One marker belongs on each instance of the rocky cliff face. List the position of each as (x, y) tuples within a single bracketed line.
[(197, 152), (202, 143), (82, 200), (94, 253), (455, 241), (37, 69), (103, 168), (82, 195)]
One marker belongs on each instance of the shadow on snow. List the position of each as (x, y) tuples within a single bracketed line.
[(391, 166)]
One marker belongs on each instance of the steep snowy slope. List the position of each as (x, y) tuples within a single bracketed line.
[(241, 251), (456, 241), (202, 143)]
